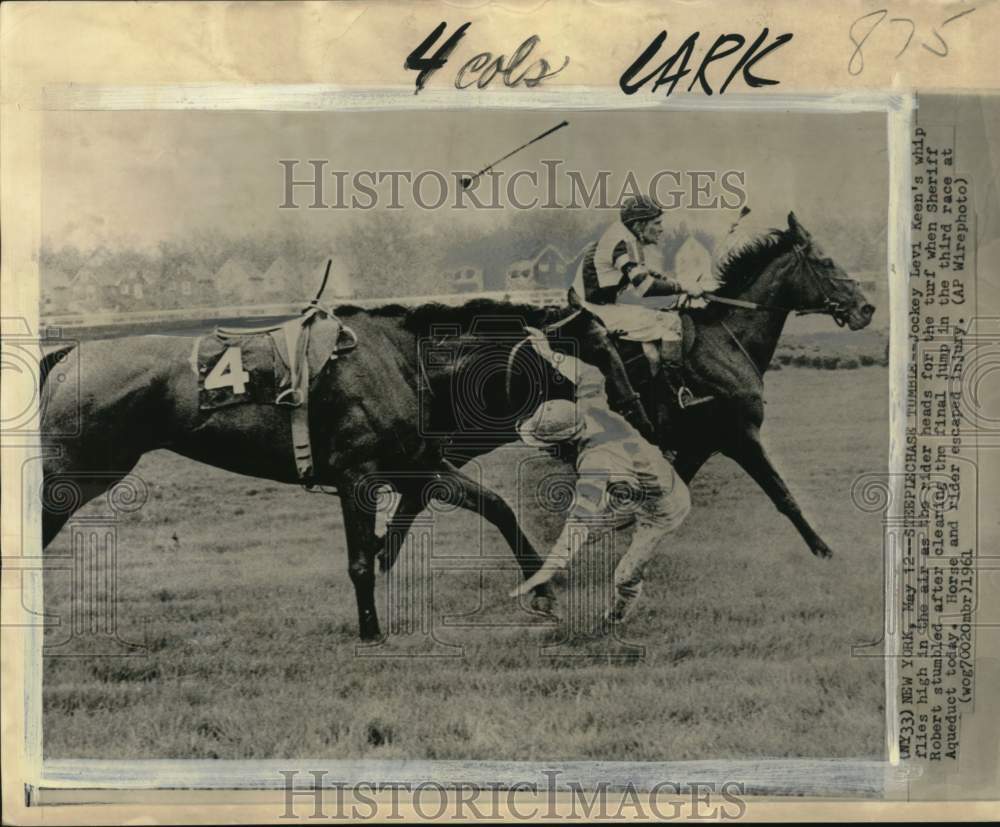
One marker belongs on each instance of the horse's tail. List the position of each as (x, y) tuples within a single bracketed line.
[(45, 365), (49, 361)]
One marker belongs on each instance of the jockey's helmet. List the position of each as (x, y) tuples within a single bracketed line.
[(554, 421), (641, 208)]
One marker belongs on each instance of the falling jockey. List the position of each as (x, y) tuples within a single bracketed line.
[(616, 274), (610, 454)]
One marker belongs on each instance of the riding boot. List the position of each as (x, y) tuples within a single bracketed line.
[(598, 350)]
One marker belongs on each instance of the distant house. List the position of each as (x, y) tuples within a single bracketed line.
[(549, 267), (282, 283), (233, 282), (257, 291), (546, 269), (88, 292), (693, 262), (134, 290), (92, 286), (520, 276), (55, 289), (466, 279), (199, 283), (185, 282)]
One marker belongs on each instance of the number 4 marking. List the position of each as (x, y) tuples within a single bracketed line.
[(228, 372)]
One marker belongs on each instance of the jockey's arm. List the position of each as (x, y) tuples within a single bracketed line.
[(659, 285)]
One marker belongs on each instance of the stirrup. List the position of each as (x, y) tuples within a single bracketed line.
[(687, 399)]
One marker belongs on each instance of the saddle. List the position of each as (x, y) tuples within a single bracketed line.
[(292, 377), (634, 358)]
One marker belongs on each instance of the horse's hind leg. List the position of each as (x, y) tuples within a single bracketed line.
[(362, 545)]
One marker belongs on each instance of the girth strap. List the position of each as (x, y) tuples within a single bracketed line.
[(292, 342)]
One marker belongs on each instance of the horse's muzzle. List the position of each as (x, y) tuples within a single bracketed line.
[(861, 317)]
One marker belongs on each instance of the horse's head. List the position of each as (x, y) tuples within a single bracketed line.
[(820, 285)]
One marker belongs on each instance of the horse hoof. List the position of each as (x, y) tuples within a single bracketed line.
[(370, 635), (823, 551)]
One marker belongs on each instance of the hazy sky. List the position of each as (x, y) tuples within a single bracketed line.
[(140, 177)]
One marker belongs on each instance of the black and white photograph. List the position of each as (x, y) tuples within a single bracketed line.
[(498, 411), (533, 435)]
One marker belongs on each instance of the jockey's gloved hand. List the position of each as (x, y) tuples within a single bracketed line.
[(672, 285)]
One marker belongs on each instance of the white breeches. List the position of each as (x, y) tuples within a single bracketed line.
[(637, 323), (662, 511)]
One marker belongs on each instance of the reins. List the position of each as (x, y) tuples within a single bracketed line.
[(739, 344)]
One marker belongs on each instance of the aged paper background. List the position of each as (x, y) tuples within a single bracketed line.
[(44, 47)]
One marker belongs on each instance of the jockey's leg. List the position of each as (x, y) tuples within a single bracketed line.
[(653, 356), (597, 349), (666, 503), (672, 363), (565, 549)]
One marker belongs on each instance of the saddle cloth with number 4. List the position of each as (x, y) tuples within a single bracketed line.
[(269, 366), (236, 371)]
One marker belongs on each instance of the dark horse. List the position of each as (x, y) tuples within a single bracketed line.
[(373, 419), (425, 386), (727, 349)]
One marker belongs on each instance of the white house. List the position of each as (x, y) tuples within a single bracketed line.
[(693, 265), (465, 279)]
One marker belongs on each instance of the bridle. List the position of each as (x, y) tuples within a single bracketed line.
[(835, 309)]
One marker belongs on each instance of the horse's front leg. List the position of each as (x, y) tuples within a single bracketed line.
[(362, 545), (750, 454)]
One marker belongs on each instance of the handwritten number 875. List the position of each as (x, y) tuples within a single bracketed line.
[(865, 25)]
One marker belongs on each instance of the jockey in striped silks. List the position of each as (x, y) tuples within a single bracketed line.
[(610, 453)]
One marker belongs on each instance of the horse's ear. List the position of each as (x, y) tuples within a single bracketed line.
[(796, 228)]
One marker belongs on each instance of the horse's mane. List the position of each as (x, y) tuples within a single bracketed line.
[(488, 315), (748, 255)]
